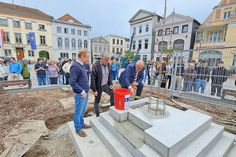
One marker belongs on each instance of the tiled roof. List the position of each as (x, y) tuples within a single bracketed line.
[(69, 18), (25, 12)]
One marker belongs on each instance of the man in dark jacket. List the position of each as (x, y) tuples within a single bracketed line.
[(101, 81), (133, 77), (218, 77)]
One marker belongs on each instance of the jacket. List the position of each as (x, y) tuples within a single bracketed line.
[(66, 67), (202, 73), (25, 71), (3, 71), (96, 77), (127, 77), (219, 76)]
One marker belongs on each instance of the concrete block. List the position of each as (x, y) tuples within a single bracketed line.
[(169, 136), (232, 152), (138, 103), (139, 119), (119, 115), (223, 146), (199, 146), (87, 147), (129, 135), (112, 143)]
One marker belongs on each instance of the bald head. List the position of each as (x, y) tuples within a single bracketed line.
[(139, 65)]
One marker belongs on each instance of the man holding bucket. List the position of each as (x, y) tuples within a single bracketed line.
[(132, 77), (101, 81)]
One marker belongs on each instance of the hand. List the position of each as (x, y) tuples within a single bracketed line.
[(131, 91), (111, 86), (95, 93), (134, 84), (83, 94)]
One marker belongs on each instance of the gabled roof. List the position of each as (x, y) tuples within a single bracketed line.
[(113, 35), (100, 39), (148, 14), (187, 18), (24, 12), (69, 18)]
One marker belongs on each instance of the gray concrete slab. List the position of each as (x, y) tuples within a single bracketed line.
[(168, 136), (119, 115), (89, 146), (232, 152)]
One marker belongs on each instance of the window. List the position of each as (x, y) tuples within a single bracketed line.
[(167, 31), (7, 52), (85, 33), (145, 58), (85, 44), (117, 51), (134, 30), (199, 37), (160, 32), (147, 28), (58, 29), (121, 50), (79, 43), (162, 45), (18, 38), (28, 25), (30, 53), (134, 45), (227, 14), (140, 44), (59, 43), (42, 40), (73, 55), (73, 31), (179, 44), (121, 42), (42, 27), (215, 37), (63, 55), (66, 30), (184, 28), (113, 50), (67, 43), (117, 42), (140, 29), (176, 30), (73, 44), (234, 61), (27, 38), (6, 37), (114, 41), (146, 44), (16, 24), (79, 32), (3, 22)]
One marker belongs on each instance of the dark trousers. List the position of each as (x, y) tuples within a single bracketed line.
[(107, 90), (53, 80), (169, 81), (215, 87), (149, 78), (67, 78)]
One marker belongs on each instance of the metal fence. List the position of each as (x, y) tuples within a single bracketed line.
[(209, 75)]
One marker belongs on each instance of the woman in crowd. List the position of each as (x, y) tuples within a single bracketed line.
[(114, 69), (53, 72), (4, 72), (25, 69)]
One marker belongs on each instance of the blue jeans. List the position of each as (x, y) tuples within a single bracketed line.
[(188, 84), (199, 84), (80, 108), (4, 79), (114, 75), (41, 80)]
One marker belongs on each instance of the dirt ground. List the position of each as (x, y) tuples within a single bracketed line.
[(45, 105)]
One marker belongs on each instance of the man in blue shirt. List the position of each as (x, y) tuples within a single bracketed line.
[(80, 85), (132, 77), (40, 69), (15, 69)]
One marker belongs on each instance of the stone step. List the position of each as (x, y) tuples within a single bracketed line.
[(129, 135), (223, 146), (169, 136), (199, 146), (112, 143), (139, 119), (232, 152), (83, 146)]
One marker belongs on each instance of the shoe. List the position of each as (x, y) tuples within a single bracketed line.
[(86, 126), (81, 133)]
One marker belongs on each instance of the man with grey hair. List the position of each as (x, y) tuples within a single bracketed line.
[(101, 81)]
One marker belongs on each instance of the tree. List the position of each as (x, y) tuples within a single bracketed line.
[(169, 51), (130, 54)]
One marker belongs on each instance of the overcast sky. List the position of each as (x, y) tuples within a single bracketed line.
[(112, 16)]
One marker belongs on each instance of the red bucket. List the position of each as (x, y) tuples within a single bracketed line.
[(122, 97)]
